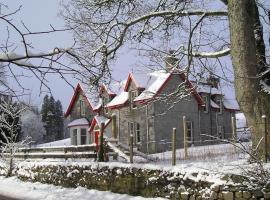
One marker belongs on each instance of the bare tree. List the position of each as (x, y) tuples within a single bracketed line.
[(9, 131), (40, 65), (201, 32)]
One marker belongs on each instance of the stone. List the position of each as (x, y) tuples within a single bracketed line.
[(238, 194), (246, 195), (215, 188), (227, 195), (184, 195), (213, 195), (192, 197), (266, 195), (257, 193)]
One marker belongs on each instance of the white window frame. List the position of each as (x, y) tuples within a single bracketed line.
[(86, 142), (191, 138), (132, 95), (206, 101), (220, 104), (82, 107)]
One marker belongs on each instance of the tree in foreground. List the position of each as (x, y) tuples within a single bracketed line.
[(200, 32), (9, 131)]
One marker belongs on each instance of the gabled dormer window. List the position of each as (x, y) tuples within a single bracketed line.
[(82, 107), (132, 95), (206, 101)]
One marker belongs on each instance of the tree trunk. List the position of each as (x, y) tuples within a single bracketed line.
[(253, 102)]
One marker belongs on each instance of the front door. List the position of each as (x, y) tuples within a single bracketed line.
[(96, 138)]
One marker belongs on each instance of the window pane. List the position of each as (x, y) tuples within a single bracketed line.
[(138, 133), (83, 136), (74, 136)]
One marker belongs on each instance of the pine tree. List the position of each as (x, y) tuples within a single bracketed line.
[(52, 117), (59, 120)]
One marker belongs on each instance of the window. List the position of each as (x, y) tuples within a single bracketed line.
[(83, 136), (105, 101), (189, 131), (74, 136), (132, 95), (206, 107), (220, 104), (138, 133), (82, 108)]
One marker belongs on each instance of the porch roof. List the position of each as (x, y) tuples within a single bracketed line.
[(79, 122)]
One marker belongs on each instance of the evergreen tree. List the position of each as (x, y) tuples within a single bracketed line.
[(52, 117), (59, 120)]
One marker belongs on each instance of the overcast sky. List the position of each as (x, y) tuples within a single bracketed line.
[(38, 15)]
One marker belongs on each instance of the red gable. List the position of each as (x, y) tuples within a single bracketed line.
[(78, 90)]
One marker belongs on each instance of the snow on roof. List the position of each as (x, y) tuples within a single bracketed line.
[(213, 104), (78, 122), (101, 119), (158, 78), (119, 99), (231, 104), (204, 88)]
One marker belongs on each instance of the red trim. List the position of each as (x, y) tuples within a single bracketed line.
[(129, 79), (103, 88), (78, 90)]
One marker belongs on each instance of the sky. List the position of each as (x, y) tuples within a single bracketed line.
[(37, 15)]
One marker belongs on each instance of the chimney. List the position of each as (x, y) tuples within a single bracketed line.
[(170, 60), (213, 81)]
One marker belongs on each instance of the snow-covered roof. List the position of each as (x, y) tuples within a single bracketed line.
[(213, 104), (78, 122), (101, 119), (203, 88), (119, 100), (231, 104), (156, 80)]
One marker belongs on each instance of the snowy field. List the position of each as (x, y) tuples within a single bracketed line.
[(14, 188)]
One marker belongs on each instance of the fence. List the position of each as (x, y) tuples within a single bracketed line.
[(65, 152)]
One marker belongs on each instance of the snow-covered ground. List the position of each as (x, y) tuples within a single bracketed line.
[(13, 187), (64, 142)]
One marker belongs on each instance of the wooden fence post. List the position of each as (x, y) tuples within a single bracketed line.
[(174, 147), (265, 138), (185, 138), (114, 130), (131, 149), (234, 137), (100, 141)]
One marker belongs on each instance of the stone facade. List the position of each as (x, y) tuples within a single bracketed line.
[(157, 118)]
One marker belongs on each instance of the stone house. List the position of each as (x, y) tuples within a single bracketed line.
[(148, 106)]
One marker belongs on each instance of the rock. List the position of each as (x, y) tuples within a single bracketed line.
[(227, 195), (215, 188), (266, 195), (213, 195), (238, 194), (184, 195), (258, 193), (246, 195)]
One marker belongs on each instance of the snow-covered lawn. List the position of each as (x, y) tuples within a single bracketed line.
[(13, 187)]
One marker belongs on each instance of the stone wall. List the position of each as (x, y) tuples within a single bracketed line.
[(136, 180)]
